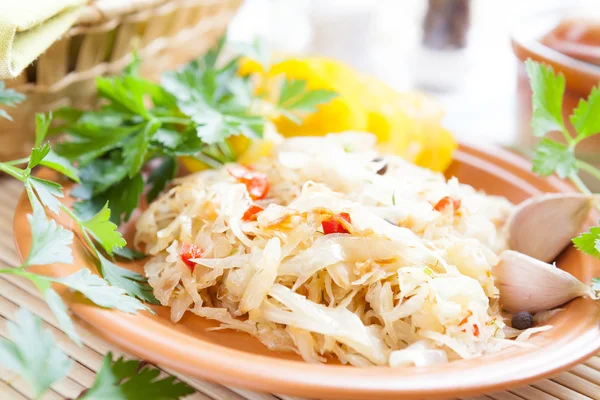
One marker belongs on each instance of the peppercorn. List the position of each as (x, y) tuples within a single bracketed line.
[(522, 320)]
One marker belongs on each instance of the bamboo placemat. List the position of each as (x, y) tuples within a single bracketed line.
[(581, 382)]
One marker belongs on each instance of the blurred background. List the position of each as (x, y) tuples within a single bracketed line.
[(467, 54), (457, 50)]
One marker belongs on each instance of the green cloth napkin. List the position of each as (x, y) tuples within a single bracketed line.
[(29, 27)]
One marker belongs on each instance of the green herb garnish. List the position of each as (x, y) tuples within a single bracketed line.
[(32, 353), (10, 98), (51, 243), (552, 156), (192, 112), (131, 379), (294, 98)]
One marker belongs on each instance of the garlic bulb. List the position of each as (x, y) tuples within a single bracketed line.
[(542, 226), (527, 284)]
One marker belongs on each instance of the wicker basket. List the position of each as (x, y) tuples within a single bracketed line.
[(166, 33)]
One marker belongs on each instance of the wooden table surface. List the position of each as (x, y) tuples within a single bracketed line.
[(581, 382)]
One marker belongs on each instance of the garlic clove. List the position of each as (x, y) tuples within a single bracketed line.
[(527, 284), (543, 226)]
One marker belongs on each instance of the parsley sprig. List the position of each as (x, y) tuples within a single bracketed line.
[(132, 379), (32, 353), (295, 99), (552, 156), (192, 113), (51, 243)]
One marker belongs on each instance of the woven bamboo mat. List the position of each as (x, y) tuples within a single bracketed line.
[(582, 382)]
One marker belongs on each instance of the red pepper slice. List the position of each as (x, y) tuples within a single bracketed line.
[(256, 182), (446, 202), (250, 214), (475, 330), (188, 252), (334, 226), (346, 216)]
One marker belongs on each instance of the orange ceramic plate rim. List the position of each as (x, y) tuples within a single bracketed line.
[(156, 342)]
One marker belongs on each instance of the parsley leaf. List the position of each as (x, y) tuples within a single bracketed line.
[(290, 89), (589, 242), (60, 164), (93, 287), (9, 98), (50, 243), (548, 90), (551, 156), (43, 154), (130, 379), (122, 198), (100, 293), (54, 301), (586, 117), (32, 353), (42, 124), (99, 227), (100, 175), (37, 155), (167, 138), (59, 309), (47, 191), (214, 127), (93, 142), (209, 60), (133, 68), (257, 50), (4, 114), (135, 149), (215, 99), (133, 283), (160, 176), (295, 97), (103, 230), (191, 145), (112, 145), (124, 94), (128, 254)]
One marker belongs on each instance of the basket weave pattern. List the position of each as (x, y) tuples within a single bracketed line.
[(166, 33)]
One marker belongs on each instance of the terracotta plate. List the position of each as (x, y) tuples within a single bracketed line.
[(236, 359)]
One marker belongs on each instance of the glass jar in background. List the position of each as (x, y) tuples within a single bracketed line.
[(444, 40)]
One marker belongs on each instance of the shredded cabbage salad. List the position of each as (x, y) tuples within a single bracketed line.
[(331, 250)]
